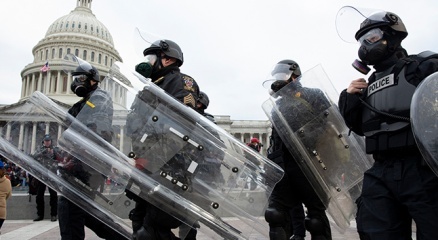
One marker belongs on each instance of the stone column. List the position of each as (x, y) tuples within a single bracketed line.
[(122, 140), (59, 83), (34, 84), (40, 80), (8, 132), (59, 132), (20, 136), (52, 83), (47, 128), (69, 80), (34, 130)]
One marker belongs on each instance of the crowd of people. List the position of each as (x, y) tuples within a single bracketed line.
[(399, 188)]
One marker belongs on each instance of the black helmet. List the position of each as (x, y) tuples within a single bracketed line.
[(88, 70), (46, 137), (287, 66), (385, 21), (168, 47), (203, 98)]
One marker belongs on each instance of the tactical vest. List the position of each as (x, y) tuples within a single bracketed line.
[(390, 93)]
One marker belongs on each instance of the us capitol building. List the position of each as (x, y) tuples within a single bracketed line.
[(82, 34)]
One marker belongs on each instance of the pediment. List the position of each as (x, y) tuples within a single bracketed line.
[(24, 108)]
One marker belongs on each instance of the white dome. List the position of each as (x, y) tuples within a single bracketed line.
[(80, 21)]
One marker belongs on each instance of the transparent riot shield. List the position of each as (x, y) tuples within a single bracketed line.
[(424, 119), (179, 161), (104, 205), (309, 123)]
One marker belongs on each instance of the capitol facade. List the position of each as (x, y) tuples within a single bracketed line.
[(82, 34)]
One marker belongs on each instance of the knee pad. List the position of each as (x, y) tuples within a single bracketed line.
[(275, 217), (314, 225)]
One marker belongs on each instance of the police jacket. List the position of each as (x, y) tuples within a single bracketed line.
[(179, 85), (299, 106), (170, 79), (96, 112), (381, 114)]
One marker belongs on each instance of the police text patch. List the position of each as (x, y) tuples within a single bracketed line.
[(381, 83)]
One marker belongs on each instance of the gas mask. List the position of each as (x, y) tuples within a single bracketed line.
[(373, 48), (81, 85), (146, 68)]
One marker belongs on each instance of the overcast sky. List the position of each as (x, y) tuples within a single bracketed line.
[(229, 46)]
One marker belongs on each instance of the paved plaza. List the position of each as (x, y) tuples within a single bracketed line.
[(46, 230)]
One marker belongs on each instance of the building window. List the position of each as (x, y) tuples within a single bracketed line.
[(53, 53), (92, 29), (111, 62), (86, 27), (68, 50), (79, 25), (47, 54), (77, 52), (73, 25), (60, 26), (92, 56), (84, 55), (106, 60), (66, 25), (60, 53), (41, 54), (99, 59)]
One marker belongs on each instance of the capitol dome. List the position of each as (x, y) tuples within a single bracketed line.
[(81, 21), (79, 33)]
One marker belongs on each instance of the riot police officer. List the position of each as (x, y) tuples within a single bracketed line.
[(399, 186), (95, 110), (163, 60), (47, 155), (202, 104), (293, 189)]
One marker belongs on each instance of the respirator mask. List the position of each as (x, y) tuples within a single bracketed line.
[(373, 49), (81, 85), (145, 68)]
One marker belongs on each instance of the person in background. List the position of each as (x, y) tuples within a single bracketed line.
[(47, 155), (255, 144), (5, 193)]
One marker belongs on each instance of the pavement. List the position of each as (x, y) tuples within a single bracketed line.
[(47, 230)]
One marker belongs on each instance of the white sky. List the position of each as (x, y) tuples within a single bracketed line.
[(229, 46)]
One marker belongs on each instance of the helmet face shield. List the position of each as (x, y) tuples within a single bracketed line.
[(349, 19), (151, 59), (76, 65), (158, 44), (80, 78), (372, 36), (280, 71)]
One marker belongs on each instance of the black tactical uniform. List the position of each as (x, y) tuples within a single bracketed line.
[(294, 189), (95, 110), (399, 187), (49, 157), (148, 221)]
